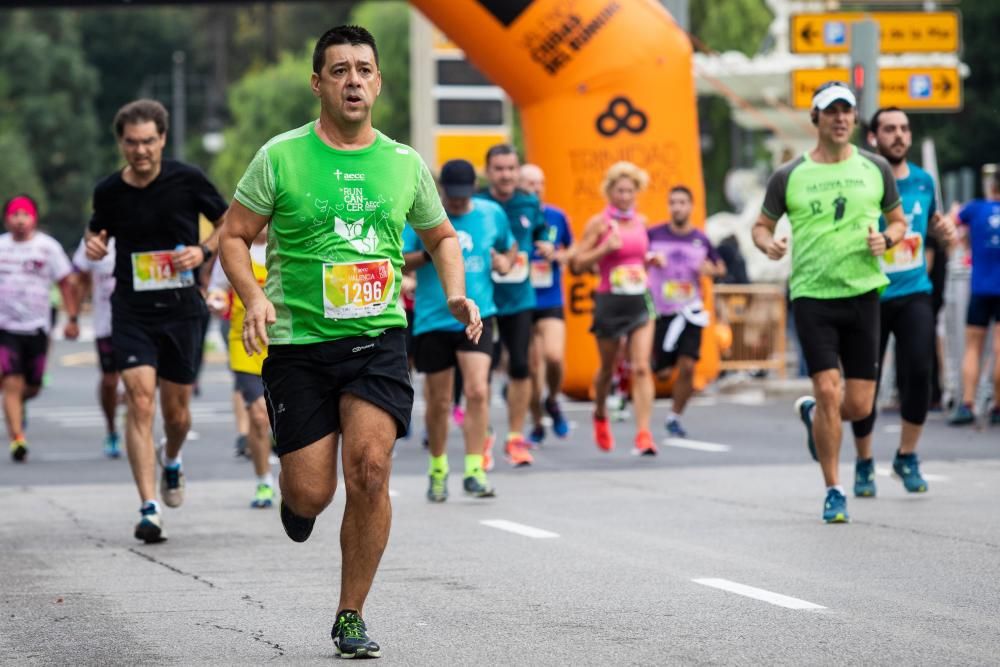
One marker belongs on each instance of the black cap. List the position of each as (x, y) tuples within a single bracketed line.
[(458, 178)]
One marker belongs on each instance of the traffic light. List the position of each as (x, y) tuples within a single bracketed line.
[(864, 67)]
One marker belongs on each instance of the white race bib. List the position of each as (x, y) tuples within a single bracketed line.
[(155, 271), (628, 279), (906, 255), (518, 272), (542, 274)]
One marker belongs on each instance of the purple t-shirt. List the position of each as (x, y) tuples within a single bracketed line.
[(679, 282)]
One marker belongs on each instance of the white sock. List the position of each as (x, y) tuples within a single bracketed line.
[(673, 416), (153, 503), (172, 463), (266, 478), (838, 487)]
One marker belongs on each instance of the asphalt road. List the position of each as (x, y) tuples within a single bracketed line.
[(712, 553)]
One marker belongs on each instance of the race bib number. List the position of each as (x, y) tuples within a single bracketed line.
[(906, 255), (518, 273), (628, 279), (357, 290), (156, 271), (678, 291), (541, 274)]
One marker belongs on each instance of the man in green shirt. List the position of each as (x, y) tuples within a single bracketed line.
[(337, 193), (833, 196)]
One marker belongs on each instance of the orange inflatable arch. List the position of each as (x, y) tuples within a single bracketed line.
[(595, 81)]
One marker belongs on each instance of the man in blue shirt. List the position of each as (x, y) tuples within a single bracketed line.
[(549, 339), (515, 297), (439, 339), (906, 309), (982, 220)]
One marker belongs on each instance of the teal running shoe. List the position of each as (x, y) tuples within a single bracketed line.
[(835, 508), (995, 416), (478, 486), (350, 637), (112, 446), (864, 478), (804, 408), (962, 415), (907, 468), (437, 490)]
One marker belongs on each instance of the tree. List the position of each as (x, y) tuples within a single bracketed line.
[(48, 106), (263, 104)]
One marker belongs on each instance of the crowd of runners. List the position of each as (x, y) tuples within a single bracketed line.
[(342, 267)]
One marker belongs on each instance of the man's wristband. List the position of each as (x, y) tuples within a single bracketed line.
[(888, 240), (428, 258), (74, 319), (207, 252)]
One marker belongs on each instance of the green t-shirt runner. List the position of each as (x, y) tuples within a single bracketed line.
[(326, 286), (831, 208)]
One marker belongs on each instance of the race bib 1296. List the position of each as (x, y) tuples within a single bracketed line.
[(156, 271), (361, 289)]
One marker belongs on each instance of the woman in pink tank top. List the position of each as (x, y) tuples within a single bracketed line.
[(616, 244)]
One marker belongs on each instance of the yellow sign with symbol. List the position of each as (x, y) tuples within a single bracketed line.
[(909, 88), (901, 32)]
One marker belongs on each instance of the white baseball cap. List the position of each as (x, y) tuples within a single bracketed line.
[(829, 93)]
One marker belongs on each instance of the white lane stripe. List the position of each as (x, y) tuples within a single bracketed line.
[(758, 594), (698, 445), (885, 472), (519, 528)]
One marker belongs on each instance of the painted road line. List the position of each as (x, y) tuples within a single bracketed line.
[(698, 445), (886, 472), (758, 594), (518, 528)]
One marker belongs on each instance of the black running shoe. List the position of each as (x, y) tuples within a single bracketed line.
[(296, 527), (350, 636)]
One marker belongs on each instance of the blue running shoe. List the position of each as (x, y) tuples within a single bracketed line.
[(437, 490), (112, 448), (962, 415), (674, 428), (350, 637), (864, 478), (536, 437), (907, 468), (835, 507), (559, 424), (995, 416), (803, 408)]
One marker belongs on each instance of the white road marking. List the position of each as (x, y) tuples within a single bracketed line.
[(393, 493), (893, 428), (758, 594), (886, 472), (698, 445), (519, 528)]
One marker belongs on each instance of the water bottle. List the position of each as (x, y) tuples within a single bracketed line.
[(186, 276)]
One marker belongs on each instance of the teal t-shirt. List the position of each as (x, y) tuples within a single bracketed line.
[(334, 245), (479, 231), (906, 262), (831, 207), (514, 291)]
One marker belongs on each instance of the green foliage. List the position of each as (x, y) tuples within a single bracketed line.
[(48, 115), (389, 22), (263, 104), (730, 25)]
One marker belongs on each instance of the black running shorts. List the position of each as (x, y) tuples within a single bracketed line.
[(982, 309), (553, 313), (836, 333), (250, 386), (515, 335), (170, 345), (435, 351), (688, 343), (303, 385), (106, 355), (24, 354)]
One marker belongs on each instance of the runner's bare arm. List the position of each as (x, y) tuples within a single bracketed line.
[(71, 304), (442, 244), (193, 256), (589, 249), (763, 238), (235, 237)]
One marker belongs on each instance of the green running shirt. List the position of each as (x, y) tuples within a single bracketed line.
[(334, 245), (831, 207)]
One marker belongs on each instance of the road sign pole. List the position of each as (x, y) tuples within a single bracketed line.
[(864, 69)]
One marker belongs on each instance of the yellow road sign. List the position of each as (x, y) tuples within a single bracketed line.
[(902, 32), (911, 88)]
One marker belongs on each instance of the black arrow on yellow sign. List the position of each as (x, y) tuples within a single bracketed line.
[(807, 33), (945, 85)]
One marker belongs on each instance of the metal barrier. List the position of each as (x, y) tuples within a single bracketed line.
[(755, 316), (956, 303)]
